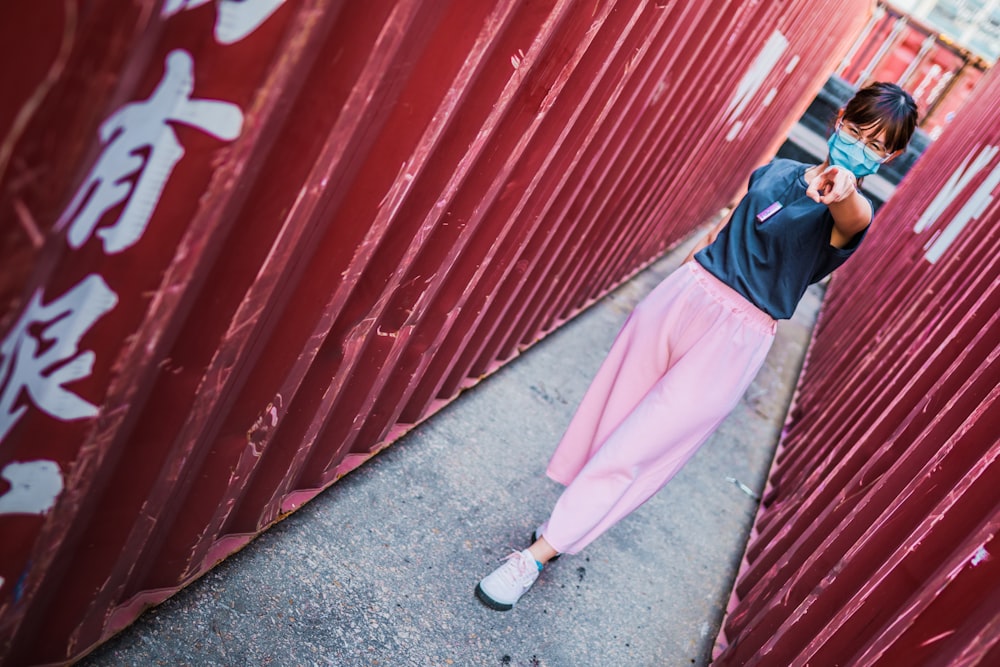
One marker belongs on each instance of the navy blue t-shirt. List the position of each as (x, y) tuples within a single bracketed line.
[(777, 242)]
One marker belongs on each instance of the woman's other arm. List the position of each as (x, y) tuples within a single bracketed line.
[(838, 189)]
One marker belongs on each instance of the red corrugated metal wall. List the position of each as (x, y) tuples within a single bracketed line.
[(877, 542), (247, 244)]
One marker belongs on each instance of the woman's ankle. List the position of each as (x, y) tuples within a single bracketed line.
[(542, 551)]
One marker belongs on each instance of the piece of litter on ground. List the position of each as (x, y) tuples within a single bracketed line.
[(743, 487)]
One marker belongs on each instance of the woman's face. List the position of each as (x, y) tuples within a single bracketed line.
[(859, 149)]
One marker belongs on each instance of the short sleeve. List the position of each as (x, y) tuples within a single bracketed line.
[(832, 258)]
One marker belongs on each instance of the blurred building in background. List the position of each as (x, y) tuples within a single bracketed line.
[(971, 24)]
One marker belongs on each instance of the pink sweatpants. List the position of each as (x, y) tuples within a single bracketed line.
[(679, 366)]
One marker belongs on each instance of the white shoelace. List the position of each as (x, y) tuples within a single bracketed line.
[(520, 572)]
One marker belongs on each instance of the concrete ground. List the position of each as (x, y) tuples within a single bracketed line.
[(380, 569)]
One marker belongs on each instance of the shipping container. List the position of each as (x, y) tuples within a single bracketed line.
[(876, 542), (896, 47), (246, 245)]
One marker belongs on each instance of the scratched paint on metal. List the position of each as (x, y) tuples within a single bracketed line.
[(248, 245), (876, 541)]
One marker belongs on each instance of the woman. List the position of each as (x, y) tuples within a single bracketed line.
[(691, 348)]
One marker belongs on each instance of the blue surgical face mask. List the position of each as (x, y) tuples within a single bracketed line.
[(851, 155)]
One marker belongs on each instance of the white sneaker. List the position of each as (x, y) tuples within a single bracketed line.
[(503, 587)]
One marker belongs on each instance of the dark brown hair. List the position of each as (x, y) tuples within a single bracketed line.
[(885, 106)]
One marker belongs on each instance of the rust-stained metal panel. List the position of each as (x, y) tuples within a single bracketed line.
[(876, 543), (247, 245)]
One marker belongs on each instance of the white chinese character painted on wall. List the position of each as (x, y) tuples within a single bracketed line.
[(34, 487), (234, 19), (763, 68), (40, 355), (975, 205), (140, 152)]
